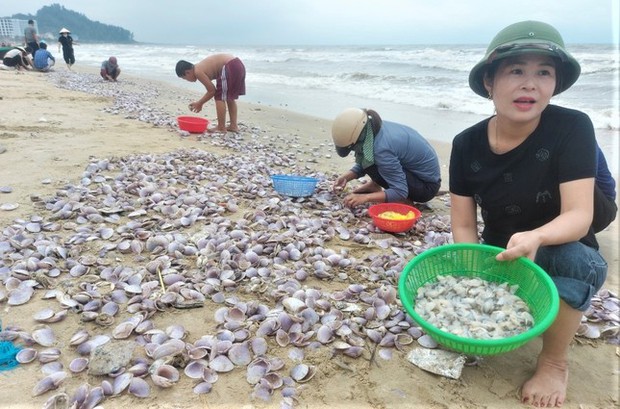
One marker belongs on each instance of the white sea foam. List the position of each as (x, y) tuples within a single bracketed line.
[(433, 77), (321, 81)]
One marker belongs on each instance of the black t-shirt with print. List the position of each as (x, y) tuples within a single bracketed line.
[(520, 189)]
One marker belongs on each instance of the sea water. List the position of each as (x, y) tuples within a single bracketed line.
[(394, 80)]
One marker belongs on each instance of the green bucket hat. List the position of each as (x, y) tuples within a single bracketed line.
[(527, 37)]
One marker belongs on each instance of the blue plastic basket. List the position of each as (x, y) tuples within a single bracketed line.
[(296, 186)]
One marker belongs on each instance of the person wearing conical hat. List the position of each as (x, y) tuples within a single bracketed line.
[(401, 164), (66, 42), (530, 170)]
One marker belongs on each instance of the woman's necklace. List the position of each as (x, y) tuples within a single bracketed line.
[(496, 144)]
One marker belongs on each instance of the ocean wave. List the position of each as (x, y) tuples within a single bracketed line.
[(420, 76)]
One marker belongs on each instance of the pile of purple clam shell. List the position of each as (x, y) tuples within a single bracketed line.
[(196, 233), (602, 319), (203, 235)]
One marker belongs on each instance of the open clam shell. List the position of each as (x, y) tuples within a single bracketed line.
[(165, 376), (302, 373), (26, 355)]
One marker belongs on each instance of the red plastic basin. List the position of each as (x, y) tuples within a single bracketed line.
[(192, 124)]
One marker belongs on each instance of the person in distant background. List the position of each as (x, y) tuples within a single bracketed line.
[(43, 59), (110, 69), (29, 57), (229, 73), (66, 41), (30, 37), (16, 57)]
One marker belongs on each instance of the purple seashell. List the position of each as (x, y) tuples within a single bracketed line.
[(262, 391), (383, 311), (282, 338), (80, 394), (26, 355), (415, 332), (385, 354), (325, 334), (78, 364), (241, 334), (221, 363), (171, 347), (296, 354), (209, 375), (259, 346), (427, 342), (93, 305), (111, 308), (107, 387), (388, 340), (302, 372), (170, 279), (52, 367), (139, 388), (86, 347), (48, 383), (268, 327), (203, 387), (138, 369), (56, 401), (353, 351), (49, 355), (289, 392), (256, 370), (95, 396), (20, 295), (121, 383), (196, 352), (44, 315), (239, 354), (165, 376), (374, 335), (196, 369), (273, 380)]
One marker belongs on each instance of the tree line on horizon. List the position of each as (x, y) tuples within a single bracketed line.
[(50, 19)]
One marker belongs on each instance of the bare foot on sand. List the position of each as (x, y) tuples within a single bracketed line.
[(217, 130), (547, 388), (368, 187), (234, 129)]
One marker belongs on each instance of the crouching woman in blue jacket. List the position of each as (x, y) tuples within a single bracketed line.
[(401, 164)]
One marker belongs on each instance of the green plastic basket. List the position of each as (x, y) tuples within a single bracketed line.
[(478, 260)]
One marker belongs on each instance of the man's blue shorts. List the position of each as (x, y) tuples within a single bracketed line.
[(577, 270)]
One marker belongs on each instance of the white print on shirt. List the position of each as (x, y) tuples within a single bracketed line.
[(512, 210), (542, 197), (542, 155)]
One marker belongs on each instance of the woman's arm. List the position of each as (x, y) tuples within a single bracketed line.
[(464, 219), (577, 203)]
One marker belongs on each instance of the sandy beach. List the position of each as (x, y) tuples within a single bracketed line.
[(50, 139)]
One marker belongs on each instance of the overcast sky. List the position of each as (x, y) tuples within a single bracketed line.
[(326, 22)]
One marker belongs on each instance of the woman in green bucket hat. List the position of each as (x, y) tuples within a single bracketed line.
[(531, 169)]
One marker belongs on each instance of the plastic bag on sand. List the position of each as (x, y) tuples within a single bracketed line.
[(440, 362)]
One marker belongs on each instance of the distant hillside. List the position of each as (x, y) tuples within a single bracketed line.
[(50, 19)]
